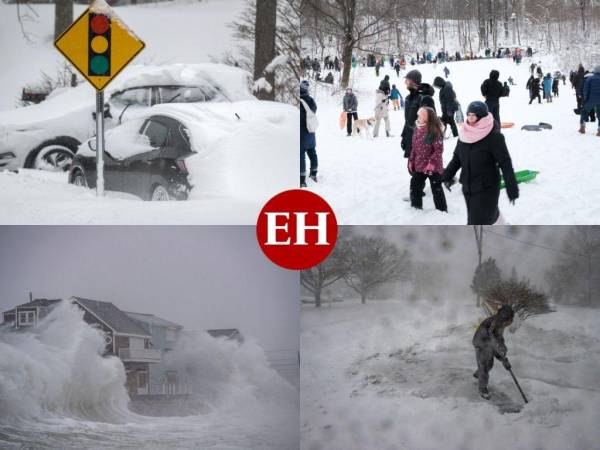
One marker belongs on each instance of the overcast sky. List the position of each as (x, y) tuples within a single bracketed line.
[(201, 277)]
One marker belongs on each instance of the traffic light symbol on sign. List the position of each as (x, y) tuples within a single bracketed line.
[(99, 45)]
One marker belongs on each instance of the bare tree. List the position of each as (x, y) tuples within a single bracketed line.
[(334, 268), (353, 21), (374, 261), (63, 16), (574, 278), (525, 300), (264, 48)]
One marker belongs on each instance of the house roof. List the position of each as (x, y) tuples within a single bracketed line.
[(152, 319), (35, 302), (229, 333), (112, 316)]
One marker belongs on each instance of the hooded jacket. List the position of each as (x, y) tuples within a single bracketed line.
[(447, 96), (350, 102), (492, 89), (591, 88)]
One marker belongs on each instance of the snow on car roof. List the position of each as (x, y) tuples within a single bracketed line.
[(233, 82)]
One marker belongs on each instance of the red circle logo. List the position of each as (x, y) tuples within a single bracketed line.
[(296, 229)]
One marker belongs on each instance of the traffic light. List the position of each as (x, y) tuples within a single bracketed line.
[(99, 45)]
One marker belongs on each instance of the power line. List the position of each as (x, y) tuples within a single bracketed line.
[(532, 244)]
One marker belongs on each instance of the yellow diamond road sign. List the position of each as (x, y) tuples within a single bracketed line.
[(99, 44)]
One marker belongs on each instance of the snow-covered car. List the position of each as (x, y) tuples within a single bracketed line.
[(175, 151), (47, 135)]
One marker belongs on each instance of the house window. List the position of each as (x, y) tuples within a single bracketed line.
[(26, 318), (171, 335)]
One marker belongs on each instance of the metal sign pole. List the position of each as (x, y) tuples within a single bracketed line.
[(100, 143)]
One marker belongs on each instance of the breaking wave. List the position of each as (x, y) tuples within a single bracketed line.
[(57, 369)]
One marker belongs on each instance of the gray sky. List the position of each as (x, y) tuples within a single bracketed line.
[(199, 276)]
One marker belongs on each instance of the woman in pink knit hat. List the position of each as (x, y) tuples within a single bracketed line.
[(425, 159)]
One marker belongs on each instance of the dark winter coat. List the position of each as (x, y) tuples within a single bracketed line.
[(490, 334), (350, 103), (307, 140), (492, 89), (591, 90), (385, 86), (412, 103), (447, 97), (578, 80), (480, 165), (534, 86)]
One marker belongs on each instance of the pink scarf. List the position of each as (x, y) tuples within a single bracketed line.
[(469, 134)]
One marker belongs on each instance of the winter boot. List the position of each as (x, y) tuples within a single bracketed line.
[(302, 181), (582, 129), (483, 391), (387, 133), (313, 176)]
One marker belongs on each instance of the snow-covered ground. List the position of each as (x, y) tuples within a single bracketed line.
[(365, 180), (244, 170), (398, 375)]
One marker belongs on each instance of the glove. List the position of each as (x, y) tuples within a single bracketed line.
[(410, 167), (506, 364), (449, 184), (429, 168)]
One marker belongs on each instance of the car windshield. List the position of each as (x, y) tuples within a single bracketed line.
[(135, 96), (190, 94)]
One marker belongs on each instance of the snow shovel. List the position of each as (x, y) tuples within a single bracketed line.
[(517, 383)]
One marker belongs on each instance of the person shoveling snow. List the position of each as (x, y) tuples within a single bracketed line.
[(489, 343)]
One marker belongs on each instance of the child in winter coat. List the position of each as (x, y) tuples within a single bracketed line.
[(425, 159), (396, 98), (350, 104)]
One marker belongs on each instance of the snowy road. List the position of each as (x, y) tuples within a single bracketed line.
[(365, 180), (398, 375)]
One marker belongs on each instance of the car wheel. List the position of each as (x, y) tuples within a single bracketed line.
[(54, 158), (79, 179), (160, 194)]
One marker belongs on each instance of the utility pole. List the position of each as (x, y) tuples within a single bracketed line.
[(479, 240)]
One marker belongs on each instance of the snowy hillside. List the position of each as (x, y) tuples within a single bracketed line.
[(365, 180), (398, 375)]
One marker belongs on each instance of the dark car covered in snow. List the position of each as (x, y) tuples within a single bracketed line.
[(152, 166)]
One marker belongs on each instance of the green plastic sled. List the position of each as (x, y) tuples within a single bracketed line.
[(523, 176)]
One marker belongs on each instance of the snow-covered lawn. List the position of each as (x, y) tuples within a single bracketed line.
[(398, 375), (365, 180)]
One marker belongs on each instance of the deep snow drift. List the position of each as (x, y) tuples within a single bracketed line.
[(398, 375), (57, 391), (365, 180)]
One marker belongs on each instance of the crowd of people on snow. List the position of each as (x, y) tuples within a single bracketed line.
[(314, 67), (481, 153)]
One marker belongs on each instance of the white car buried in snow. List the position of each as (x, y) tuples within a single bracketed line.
[(47, 135)]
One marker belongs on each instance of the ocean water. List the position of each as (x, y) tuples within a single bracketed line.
[(58, 391)]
